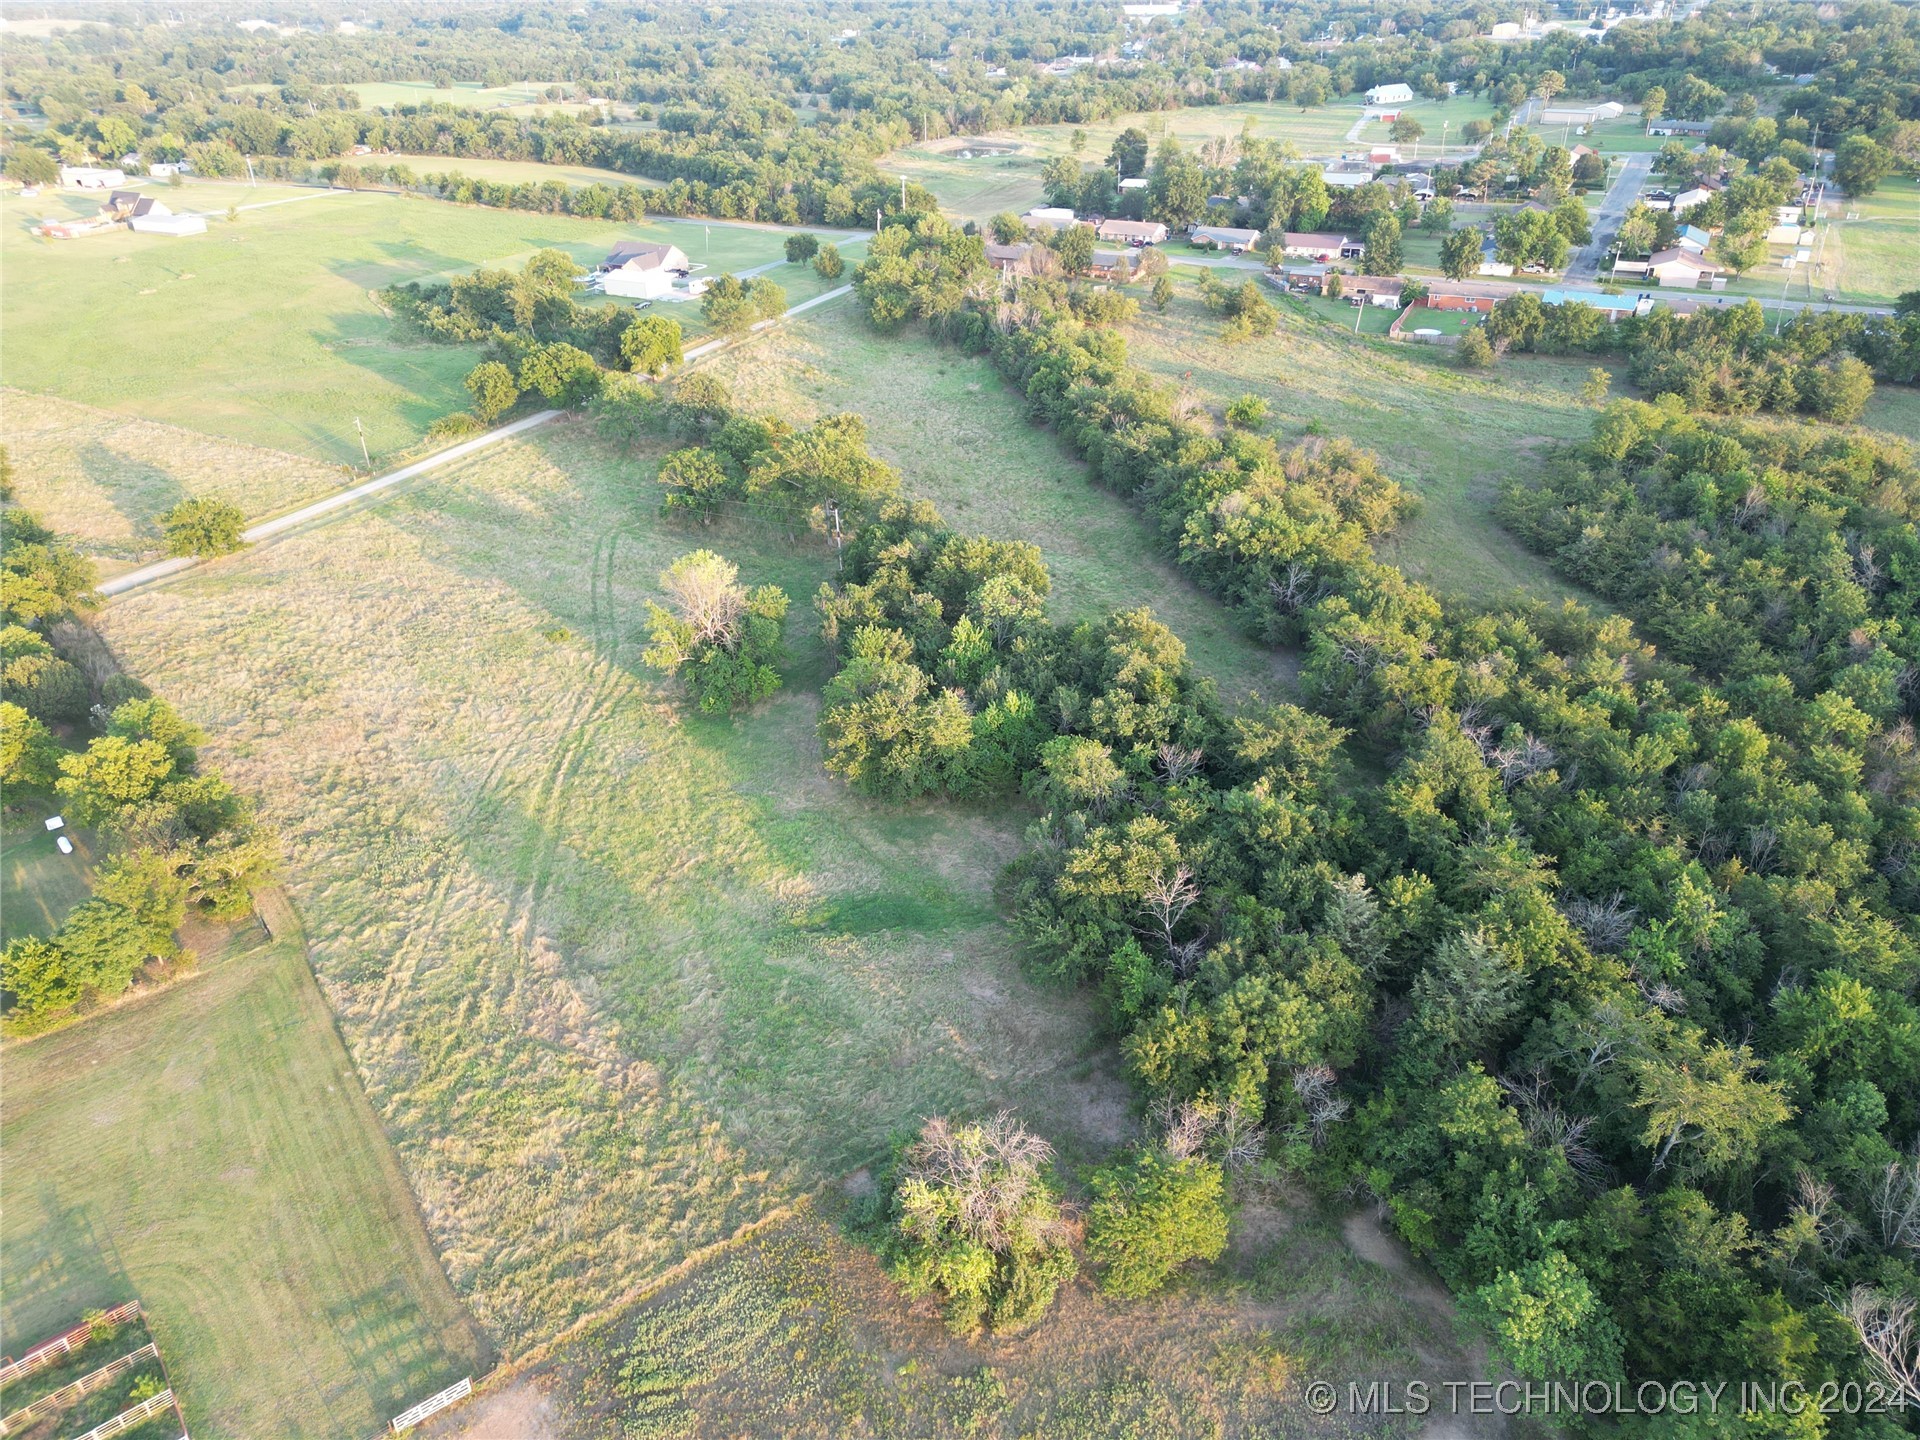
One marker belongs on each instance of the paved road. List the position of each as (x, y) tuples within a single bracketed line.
[(1613, 209)]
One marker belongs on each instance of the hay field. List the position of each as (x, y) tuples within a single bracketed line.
[(102, 479), (619, 980), (513, 172), (266, 329), (208, 1150), (1450, 436), (964, 441)]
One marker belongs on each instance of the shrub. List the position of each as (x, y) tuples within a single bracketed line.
[(494, 390), (828, 264), (1474, 352), (1151, 1215), (1249, 412), (204, 528), (975, 1223), (723, 637)]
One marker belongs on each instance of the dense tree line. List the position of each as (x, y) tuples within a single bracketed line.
[(1605, 989), (784, 122), (176, 838)]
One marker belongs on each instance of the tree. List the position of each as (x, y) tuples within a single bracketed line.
[(1860, 163), (1475, 351), (1548, 1323), (827, 263), (1383, 256), (1653, 104), (733, 308), (802, 247), (726, 639), (565, 375), (31, 166), (1074, 246), (1437, 218), (651, 343), (494, 390), (1550, 84), (1704, 1097), (1741, 249), (29, 758), (1150, 1215), (1405, 130), (1638, 230), (975, 1223), (203, 527), (1460, 254), (1162, 292), (1060, 179), (1598, 383), (112, 775), (1128, 157), (1176, 187)]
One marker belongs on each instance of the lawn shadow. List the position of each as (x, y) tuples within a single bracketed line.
[(63, 1267), (139, 489)]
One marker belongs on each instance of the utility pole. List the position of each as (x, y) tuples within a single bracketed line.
[(833, 509), (362, 432), (250, 180)]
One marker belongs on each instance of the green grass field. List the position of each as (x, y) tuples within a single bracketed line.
[(209, 1152), (964, 442), (1448, 435), (523, 95), (39, 885), (514, 172), (267, 330), (619, 979)]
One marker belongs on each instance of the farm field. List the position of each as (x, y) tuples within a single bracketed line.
[(619, 979), (1008, 177), (963, 440), (277, 312), (102, 478), (506, 172), (296, 1294), (799, 1334), (1450, 436)]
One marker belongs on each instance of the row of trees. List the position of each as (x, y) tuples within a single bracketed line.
[(1564, 988), (176, 838)]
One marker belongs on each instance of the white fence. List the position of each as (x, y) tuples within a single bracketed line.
[(127, 1419), (432, 1405)]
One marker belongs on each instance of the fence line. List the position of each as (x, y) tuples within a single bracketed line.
[(47, 1351), (127, 1419), (91, 1381), (432, 1405)]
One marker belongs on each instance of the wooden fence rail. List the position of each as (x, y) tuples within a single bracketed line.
[(86, 1384), (48, 1351), (433, 1404), (127, 1419)]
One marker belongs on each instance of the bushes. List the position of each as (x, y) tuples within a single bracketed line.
[(725, 639), (205, 528), (974, 1222), (494, 389), (1151, 1214), (650, 344)]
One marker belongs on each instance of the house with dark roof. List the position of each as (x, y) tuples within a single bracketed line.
[(642, 269)]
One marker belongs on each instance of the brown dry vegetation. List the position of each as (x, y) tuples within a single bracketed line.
[(103, 479)]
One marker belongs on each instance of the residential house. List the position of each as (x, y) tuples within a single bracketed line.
[(1324, 245), (1119, 265), (1383, 155), (642, 269), (1697, 193), (1346, 176), (92, 177), (1224, 237), (1389, 94), (1681, 267), (1419, 184), (1011, 259), (159, 221), (1612, 306), (1582, 114), (1680, 127), (1372, 289), (1448, 297), (1306, 278), (1490, 261), (1131, 232), (1134, 182), (1692, 237)]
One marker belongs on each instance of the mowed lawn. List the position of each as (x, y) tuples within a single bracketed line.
[(964, 441), (619, 979), (1449, 436), (209, 1152), (514, 172), (267, 329)]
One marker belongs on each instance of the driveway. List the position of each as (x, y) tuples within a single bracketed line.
[(1606, 224)]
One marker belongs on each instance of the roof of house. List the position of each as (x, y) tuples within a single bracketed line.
[(1007, 254), (1224, 234), (1312, 240), (1677, 256), (1305, 267), (1694, 232), (1375, 284), (644, 255), (1130, 229), (1589, 297), (1110, 258)]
